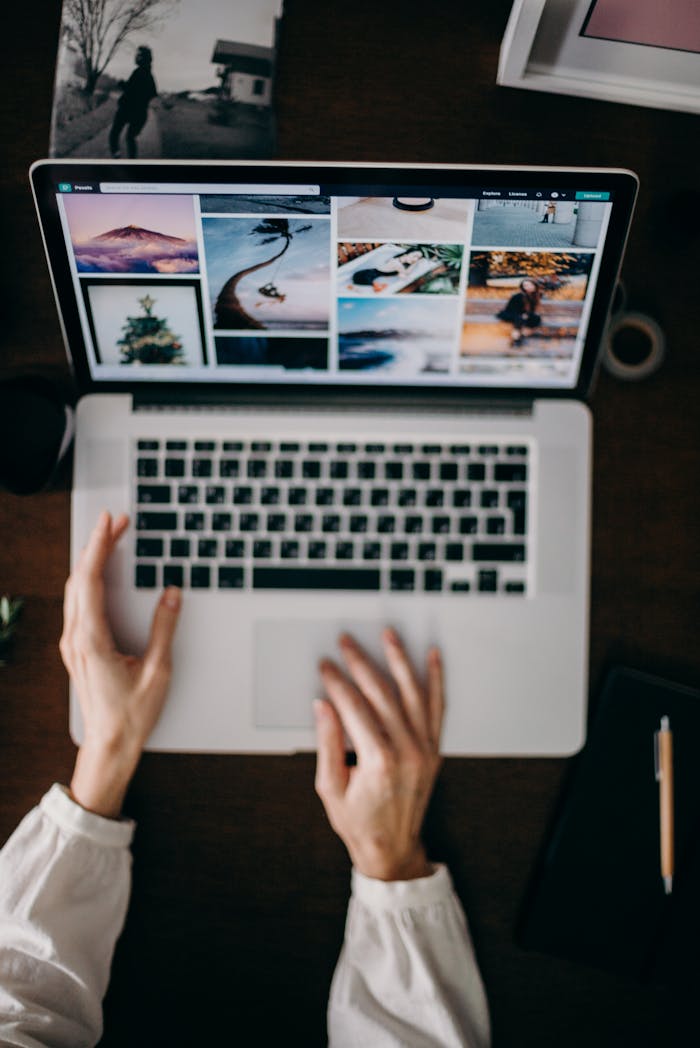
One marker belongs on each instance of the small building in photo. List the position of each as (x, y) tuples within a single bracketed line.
[(245, 72)]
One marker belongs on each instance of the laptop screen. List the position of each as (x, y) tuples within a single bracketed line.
[(340, 276)]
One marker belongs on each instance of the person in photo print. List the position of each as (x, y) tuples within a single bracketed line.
[(132, 108), (550, 211), (521, 310), (407, 973)]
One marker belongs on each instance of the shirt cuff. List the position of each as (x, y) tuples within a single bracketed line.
[(401, 895), (66, 813)]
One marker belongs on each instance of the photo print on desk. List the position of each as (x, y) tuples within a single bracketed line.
[(165, 79)]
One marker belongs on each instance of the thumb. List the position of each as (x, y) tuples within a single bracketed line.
[(332, 773), (163, 627)]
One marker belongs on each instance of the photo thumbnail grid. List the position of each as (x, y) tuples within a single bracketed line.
[(351, 287)]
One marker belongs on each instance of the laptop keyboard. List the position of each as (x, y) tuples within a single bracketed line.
[(312, 515)]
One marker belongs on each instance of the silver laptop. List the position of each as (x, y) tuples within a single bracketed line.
[(333, 397)]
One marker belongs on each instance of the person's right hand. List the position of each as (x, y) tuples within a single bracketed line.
[(377, 807)]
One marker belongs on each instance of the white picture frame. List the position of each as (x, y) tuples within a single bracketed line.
[(542, 50)]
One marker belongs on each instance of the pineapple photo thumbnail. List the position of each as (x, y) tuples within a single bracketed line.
[(146, 324)]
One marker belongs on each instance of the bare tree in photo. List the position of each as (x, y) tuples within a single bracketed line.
[(100, 27)]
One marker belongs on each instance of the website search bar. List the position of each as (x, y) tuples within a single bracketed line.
[(217, 188)]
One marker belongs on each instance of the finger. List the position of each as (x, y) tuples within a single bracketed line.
[(376, 688), (413, 695), (98, 548), (355, 713), (119, 526), (332, 773), (88, 586), (436, 696), (158, 652)]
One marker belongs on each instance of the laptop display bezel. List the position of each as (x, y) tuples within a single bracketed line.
[(413, 180)]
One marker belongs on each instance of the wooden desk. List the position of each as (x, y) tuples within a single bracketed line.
[(239, 885)]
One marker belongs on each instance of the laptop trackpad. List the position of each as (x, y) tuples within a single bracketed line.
[(286, 665)]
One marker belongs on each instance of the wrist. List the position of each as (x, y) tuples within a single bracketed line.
[(382, 867), (101, 778)]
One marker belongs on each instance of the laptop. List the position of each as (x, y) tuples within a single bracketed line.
[(333, 397)]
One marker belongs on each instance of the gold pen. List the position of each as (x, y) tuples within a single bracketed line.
[(663, 764)]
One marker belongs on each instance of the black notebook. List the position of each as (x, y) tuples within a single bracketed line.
[(597, 896)]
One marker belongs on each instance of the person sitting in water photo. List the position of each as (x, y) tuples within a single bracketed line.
[(378, 276)]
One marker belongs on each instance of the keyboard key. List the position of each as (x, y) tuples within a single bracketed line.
[(311, 469), (194, 522), (256, 468), (513, 472), (407, 497), (188, 494), (270, 496), (174, 467), (448, 471), (374, 449), (517, 502), (432, 580), (204, 445), (156, 521), (176, 445), (431, 449), (233, 445), (461, 498), (230, 578), (427, 551), (148, 445), (297, 496), (276, 522), (289, 549), (317, 448), (413, 525), (352, 497), (488, 449), (160, 493), (434, 497), (242, 495), (372, 550), (402, 579), (330, 522), (476, 471), (421, 471), (262, 549), (495, 525), (221, 522), (498, 551), (147, 467), (468, 525), (454, 551), (235, 548), (489, 499), (399, 551), (173, 575), (440, 525), (338, 470), (403, 449), (366, 470), (200, 576), (303, 522), (516, 449), (460, 586), (325, 496), (149, 547), (316, 578), (207, 548), (514, 587), (289, 446), (386, 524), (344, 550), (284, 469), (359, 523), (460, 449), (261, 445), (346, 449), (229, 468), (202, 467), (380, 497), (317, 549), (488, 581), (179, 547), (145, 576), (214, 495), (393, 470), (249, 522)]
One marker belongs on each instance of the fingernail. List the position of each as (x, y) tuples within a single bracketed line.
[(172, 598), (319, 708), (391, 635)]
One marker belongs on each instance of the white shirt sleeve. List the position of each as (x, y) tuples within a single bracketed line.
[(407, 974), (65, 879)]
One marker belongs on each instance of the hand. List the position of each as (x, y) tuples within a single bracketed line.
[(120, 696), (377, 807)]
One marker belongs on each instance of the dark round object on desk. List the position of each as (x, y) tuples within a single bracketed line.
[(634, 346), (36, 429), (413, 203)]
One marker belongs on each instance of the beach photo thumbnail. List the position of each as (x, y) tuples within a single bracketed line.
[(128, 233), (143, 323), (268, 273), (524, 303), (400, 337), (257, 203), (371, 269), (276, 351), (426, 219), (542, 223)]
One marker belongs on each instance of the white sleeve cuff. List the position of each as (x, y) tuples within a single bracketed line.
[(379, 895), (66, 813)]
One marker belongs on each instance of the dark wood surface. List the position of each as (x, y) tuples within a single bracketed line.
[(239, 885)]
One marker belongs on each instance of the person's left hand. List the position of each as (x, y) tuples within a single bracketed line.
[(120, 696)]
